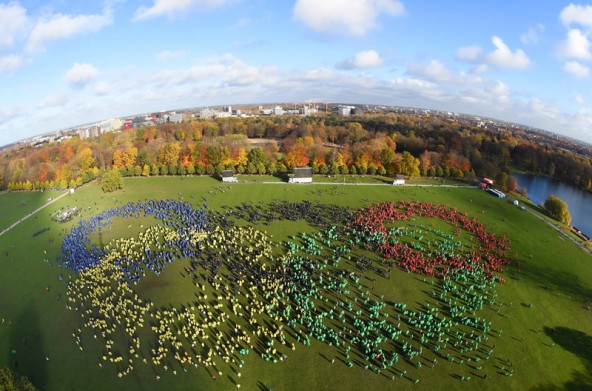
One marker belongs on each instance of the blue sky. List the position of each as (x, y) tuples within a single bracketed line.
[(64, 63)]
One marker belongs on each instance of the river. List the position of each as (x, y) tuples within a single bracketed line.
[(579, 202)]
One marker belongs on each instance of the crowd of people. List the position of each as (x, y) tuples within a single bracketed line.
[(490, 253), (78, 253), (252, 296)]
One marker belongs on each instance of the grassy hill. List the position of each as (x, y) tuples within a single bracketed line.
[(547, 328)]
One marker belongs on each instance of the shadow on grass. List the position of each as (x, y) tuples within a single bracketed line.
[(282, 177), (559, 281), (385, 180), (580, 344), (26, 355)]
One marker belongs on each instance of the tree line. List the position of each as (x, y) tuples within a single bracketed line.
[(385, 144)]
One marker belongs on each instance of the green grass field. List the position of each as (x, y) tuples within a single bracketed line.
[(16, 205), (547, 328)]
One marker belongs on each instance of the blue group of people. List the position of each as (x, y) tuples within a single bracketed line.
[(78, 253)]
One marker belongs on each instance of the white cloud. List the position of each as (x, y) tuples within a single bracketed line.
[(242, 22), (102, 88), (576, 69), (172, 8), (196, 73), (579, 99), (365, 59), (10, 113), (56, 100), (10, 63), (577, 14), (533, 35), (500, 88), (351, 17), (501, 57), (58, 26), (576, 45), (167, 55), (436, 71), (226, 79), (469, 53), (252, 43), (13, 20), (81, 74), (317, 74)]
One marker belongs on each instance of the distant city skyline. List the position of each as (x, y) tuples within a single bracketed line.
[(64, 63)]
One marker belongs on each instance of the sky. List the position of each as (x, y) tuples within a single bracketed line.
[(70, 62)]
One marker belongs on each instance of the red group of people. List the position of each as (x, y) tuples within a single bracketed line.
[(492, 258)]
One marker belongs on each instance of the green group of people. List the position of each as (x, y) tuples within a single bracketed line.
[(253, 296)]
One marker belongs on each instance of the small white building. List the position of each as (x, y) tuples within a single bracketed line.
[(278, 110), (398, 182), (228, 176), (302, 175), (175, 118)]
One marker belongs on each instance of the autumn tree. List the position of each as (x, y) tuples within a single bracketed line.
[(409, 165), (256, 155), (85, 158), (216, 155), (169, 154), (297, 157), (511, 184), (125, 158), (240, 157), (111, 181), (425, 162), (389, 159), (558, 209)]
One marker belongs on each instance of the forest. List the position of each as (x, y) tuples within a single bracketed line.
[(385, 144)]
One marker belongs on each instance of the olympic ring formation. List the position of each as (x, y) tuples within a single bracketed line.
[(254, 296)]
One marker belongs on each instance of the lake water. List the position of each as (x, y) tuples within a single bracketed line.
[(578, 201)]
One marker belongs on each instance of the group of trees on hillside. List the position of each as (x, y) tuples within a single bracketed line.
[(388, 144)]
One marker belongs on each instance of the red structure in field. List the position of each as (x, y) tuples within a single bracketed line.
[(486, 183)]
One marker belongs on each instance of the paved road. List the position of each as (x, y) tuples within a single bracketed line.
[(5, 230)]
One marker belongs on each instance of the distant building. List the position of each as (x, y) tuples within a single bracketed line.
[(485, 183), (206, 113), (496, 193), (278, 110), (305, 110), (399, 180), (175, 118), (222, 114), (342, 111), (89, 131), (228, 176), (302, 175), (109, 125)]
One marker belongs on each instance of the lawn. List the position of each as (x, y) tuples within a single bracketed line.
[(547, 330), (15, 205)]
